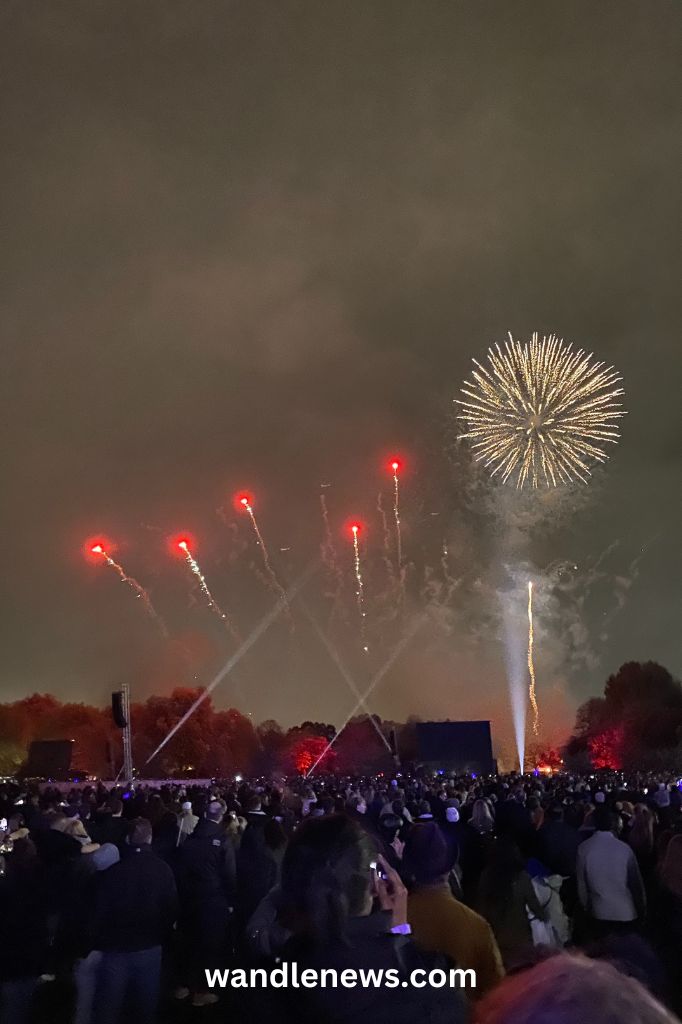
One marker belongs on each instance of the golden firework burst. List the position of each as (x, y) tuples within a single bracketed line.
[(541, 412)]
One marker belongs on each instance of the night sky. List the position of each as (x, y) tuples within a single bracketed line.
[(256, 244)]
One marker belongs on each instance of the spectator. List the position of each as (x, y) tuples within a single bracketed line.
[(206, 876), (110, 826), (328, 888), (441, 923), (506, 897), (23, 951), (558, 843), (610, 885), (135, 907), (640, 838), (570, 990)]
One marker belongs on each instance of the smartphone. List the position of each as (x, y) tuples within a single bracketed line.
[(3, 824), (376, 868)]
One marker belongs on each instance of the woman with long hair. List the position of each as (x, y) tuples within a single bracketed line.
[(347, 909), (506, 895), (640, 838), (481, 818)]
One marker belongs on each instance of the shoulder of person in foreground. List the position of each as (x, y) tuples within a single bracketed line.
[(570, 989)]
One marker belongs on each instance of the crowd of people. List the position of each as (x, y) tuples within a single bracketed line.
[(552, 889)]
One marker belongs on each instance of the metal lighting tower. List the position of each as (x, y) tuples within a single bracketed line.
[(127, 736)]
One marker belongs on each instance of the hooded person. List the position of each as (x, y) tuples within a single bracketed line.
[(86, 966), (187, 821), (440, 922), (135, 907)]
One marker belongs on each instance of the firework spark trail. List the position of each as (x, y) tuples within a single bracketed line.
[(137, 588), (390, 572), (334, 655), (360, 592), (274, 582), (330, 559), (388, 664), (203, 586), (531, 668), (395, 466), (450, 580), (541, 411), (267, 620)]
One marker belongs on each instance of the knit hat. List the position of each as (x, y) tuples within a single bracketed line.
[(427, 855)]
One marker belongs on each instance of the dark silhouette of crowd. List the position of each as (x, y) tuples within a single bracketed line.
[(116, 901)]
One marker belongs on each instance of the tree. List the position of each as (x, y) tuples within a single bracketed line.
[(639, 715)]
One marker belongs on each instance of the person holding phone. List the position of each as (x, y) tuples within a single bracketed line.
[(347, 909)]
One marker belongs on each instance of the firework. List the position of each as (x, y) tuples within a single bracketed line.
[(195, 569), (329, 557), (395, 468), (246, 502), (541, 412), (137, 588), (390, 572), (531, 667), (359, 585)]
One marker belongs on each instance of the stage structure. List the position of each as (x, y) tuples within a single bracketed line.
[(464, 747)]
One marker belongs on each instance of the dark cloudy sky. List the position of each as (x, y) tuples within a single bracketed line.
[(252, 243)]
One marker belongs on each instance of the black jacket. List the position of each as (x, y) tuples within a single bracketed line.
[(370, 946), (205, 866), (108, 829), (23, 905), (135, 903), (558, 847)]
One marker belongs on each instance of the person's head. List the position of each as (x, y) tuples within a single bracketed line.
[(424, 809), (555, 813), (253, 804), (427, 857), (604, 820), (186, 807), (140, 833), (214, 811), (356, 804), (481, 816), (326, 877), (566, 989), (116, 807), (105, 857), (389, 826)]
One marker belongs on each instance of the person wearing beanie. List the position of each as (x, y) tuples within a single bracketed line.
[(440, 923)]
